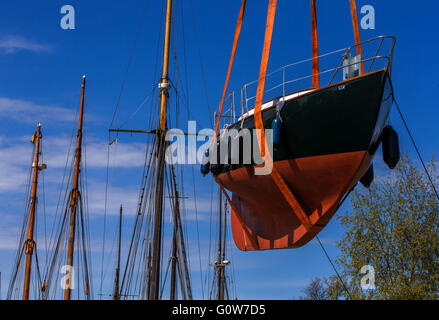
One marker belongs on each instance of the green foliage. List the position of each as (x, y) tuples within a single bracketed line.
[(393, 226)]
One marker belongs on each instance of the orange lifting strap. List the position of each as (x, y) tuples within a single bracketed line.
[(354, 16), (315, 46), (280, 182), (232, 58), (262, 73), (277, 178)]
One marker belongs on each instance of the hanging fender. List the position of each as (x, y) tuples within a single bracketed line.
[(217, 166), (368, 177), (390, 145), (205, 166)]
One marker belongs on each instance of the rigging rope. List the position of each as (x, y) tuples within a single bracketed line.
[(335, 269), (21, 244), (201, 64), (416, 148), (129, 61), (109, 136)]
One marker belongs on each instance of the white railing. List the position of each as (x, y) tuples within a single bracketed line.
[(279, 83)]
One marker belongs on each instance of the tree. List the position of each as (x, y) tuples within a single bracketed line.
[(316, 290), (393, 227)]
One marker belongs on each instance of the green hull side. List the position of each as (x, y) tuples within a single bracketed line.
[(334, 120), (345, 117)]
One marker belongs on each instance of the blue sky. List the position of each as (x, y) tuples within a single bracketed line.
[(42, 66)]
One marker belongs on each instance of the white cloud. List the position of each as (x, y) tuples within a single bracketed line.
[(12, 44), (15, 158), (10, 229), (94, 153), (12, 171), (26, 112), (128, 197)]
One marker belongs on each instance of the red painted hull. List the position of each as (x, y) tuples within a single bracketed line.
[(319, 183)]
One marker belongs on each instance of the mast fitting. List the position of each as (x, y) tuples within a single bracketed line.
[(164, 87)]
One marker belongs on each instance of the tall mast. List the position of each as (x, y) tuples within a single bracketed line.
[(174, 257), (220, 264), (74, 197), (30, 233), (220, 293), (223, 258), (154, 285), (116, 295), (164, 85)]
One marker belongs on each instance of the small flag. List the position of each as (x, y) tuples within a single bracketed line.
[(32, 140), (112, 142)]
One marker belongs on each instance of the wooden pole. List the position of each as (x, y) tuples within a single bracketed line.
[(223, 258), (30, 233), (219, 262), (74, 195), (164, 81), (154, 286), (174, 249)]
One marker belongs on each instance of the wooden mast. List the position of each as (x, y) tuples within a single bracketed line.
[(154, 285), (224, 263), (219, 262), (74, 197), (116, 294), (174, 257), (30, 234), (164, 86)]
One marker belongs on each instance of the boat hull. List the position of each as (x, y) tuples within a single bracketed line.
[(330, 137)]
